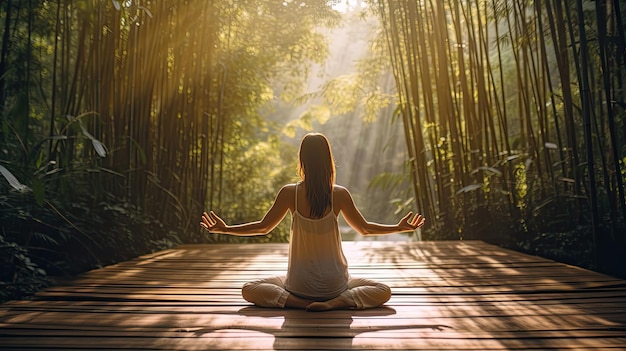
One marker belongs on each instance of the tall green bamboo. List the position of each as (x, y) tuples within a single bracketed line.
[(504, 110)]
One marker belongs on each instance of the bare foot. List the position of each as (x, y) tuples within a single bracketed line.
[(294, 301), (319, 306), (336, 303)]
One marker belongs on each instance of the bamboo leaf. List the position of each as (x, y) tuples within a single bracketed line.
[(116, 4), (145, 9), (469, 188), (142, 154), (13, 180), (488, 169), (110, 171), (551, 146), (512, 157), (407, 202), (99, 147)]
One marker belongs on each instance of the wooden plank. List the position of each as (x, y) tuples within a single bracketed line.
[(446, 296), (241, 340)]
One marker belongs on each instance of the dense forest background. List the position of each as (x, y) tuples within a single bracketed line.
[(121, 121)]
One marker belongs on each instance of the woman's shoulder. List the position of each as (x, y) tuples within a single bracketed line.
[(286, 195), (291, 187), (341, 197), (288, 189), (338, 187), (340, 190)]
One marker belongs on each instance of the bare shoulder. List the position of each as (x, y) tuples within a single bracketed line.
[(343, 202), (287, 189), (340, 193), (339, 189), (285, 197)]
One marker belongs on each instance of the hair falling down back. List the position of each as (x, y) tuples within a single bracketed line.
[(317, 170)]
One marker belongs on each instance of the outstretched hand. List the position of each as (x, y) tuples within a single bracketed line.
[(407, 223), (212, 222)]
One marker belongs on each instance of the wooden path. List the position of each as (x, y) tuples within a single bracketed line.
[(464, 295)]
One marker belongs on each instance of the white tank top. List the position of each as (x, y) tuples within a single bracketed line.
[(317, 267)]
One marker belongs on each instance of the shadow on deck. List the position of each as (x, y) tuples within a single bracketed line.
[(461, 295)]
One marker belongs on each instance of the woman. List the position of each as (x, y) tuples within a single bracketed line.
[(317, 275)]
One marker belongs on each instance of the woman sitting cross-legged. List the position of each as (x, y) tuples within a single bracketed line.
[(317, 276)]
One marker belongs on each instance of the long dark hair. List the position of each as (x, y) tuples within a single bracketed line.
[(317, 170)]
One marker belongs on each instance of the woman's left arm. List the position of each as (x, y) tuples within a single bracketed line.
[(214, 224), (355, 219)]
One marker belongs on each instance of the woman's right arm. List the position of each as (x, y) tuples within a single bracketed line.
[(283, 202), (343, 199)]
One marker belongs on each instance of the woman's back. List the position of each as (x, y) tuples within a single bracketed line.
[(317, 266)]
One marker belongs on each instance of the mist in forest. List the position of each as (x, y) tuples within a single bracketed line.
[(363, 149)]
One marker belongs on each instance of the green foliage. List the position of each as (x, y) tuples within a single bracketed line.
[(259, 170), (510, 123), (574, 246), (122, 120), (19, 275), (63, 234)]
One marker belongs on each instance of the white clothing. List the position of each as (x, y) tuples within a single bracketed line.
[(317, 268)]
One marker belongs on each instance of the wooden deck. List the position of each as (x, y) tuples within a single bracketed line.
[(464, 295)]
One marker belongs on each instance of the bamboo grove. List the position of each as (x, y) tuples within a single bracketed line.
[(514, 117), (121, 121)]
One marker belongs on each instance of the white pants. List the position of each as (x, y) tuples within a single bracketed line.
[(271, 292)]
